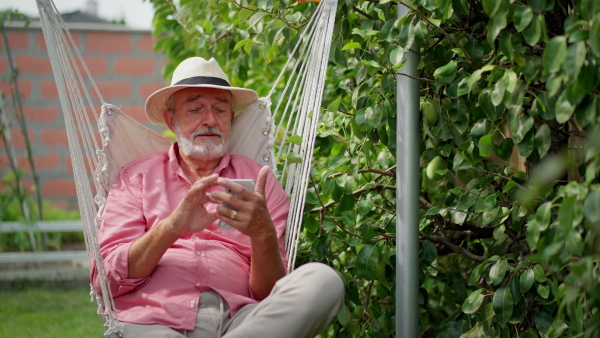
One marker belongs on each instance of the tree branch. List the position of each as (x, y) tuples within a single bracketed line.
[(354, 193), (455, 248), (179, 20), (426, 19), (327, 211), (366, 15)]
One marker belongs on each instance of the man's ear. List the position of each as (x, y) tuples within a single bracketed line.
[(169, 119)]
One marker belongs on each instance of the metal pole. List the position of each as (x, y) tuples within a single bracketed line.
[(407, 196)]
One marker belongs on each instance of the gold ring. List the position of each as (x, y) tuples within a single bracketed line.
[(233, 214)]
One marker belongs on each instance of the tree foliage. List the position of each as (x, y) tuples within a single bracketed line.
[(510, 153)]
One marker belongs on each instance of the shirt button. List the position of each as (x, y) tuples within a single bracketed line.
[(192, 303), (198, 253), (198, 284)]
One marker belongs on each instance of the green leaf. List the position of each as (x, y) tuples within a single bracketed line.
[(539, 274), (293, 157), (241, 44), (595, 35), (564, 108), (481, 128), (475, 50), (248, 47), (543, 290), (533, 32), (406, 36), (498, 271), (538, 5), (397, 55), (503, 304), (510, 80), (576, 55), (591, 207), (351, 45), (566, 212), (491, 6), (446, 71), (477, 331), (244, 14), (511, 184), (522, 17), (497, 93), (256, 18), (365, 118), (343, 316), (543, 140), (520, 126), (527, 144), (526, 280), (486, 146), (485, 103), (364, 32), (207, 25), (338, 161), (495, 25), (335, 104), (506, 44), (473, 302), (543, 215), (542, 322), (366, 262), (555, 54), (364, 207), (387, 31), (295, 139)]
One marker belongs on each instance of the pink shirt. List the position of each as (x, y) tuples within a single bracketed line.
[(146, 191)]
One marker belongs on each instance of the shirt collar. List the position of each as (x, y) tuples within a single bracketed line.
[(174, 164)]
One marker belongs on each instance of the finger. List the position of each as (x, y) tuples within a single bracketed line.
[(225, 213), (237, 188), (261, 180), (221, 197)]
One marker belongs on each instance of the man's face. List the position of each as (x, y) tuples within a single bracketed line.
[(202, 121)]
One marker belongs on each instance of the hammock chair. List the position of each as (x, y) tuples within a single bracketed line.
[(100, 144)]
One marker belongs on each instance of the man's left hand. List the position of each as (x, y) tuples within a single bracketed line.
[(252, 216)]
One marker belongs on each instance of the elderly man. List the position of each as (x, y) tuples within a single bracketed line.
[(173, 271)]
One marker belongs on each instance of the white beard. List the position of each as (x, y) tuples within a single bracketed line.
[(206, 152)]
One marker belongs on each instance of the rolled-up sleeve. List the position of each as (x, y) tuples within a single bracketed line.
[(122, 223)]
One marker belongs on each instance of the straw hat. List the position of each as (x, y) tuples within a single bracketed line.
[(197, 72)]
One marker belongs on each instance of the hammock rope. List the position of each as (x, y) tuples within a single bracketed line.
[(96, 141)]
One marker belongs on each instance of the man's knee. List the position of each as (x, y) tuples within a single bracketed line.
[(324, 282)]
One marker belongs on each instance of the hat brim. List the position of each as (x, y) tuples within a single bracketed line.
[(157, 102)]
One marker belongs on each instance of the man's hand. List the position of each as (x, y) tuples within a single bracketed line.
[(191, 215), (252, 216)]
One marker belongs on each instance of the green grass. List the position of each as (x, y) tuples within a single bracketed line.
[(48, 313)]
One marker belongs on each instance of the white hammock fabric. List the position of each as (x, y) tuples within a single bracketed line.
[(122, 139)]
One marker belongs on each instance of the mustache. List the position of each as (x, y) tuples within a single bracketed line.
[(207, 130)]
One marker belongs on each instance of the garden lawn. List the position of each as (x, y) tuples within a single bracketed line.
[(48, 313)]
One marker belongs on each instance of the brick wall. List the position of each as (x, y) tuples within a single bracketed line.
[(124, 68)]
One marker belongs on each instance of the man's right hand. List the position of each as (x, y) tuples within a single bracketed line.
[(191, 215)]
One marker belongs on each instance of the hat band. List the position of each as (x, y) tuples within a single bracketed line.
[(200, 80)]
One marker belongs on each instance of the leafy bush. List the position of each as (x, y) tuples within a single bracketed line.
[(11, 211), (509, 208)]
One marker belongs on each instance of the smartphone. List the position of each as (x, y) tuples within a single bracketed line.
[(248, 184)]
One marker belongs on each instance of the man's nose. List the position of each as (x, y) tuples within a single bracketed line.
[(210, 119)]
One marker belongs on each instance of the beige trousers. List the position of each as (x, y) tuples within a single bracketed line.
[(301, 304)]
